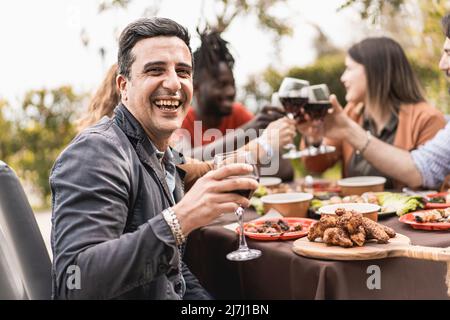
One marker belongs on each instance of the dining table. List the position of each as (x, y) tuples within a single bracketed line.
[(281, 274)]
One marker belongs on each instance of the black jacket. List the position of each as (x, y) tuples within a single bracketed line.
[(108, 192)]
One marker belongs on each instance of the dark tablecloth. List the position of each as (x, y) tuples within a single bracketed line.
[(282, 274)]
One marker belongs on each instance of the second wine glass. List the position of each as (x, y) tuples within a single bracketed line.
[(315, 111)]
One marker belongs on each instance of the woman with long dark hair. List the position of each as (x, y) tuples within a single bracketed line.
[(385, 97)]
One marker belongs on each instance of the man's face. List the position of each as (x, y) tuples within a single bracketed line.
[(444, 63), (215, 96), (160, 85)]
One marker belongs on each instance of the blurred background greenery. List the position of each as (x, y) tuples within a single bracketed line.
[(38, 127)]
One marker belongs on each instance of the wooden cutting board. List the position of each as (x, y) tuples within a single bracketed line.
[(400, 246)]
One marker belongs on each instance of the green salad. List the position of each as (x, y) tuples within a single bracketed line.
[(388, 201), (400, 203), (256, 202)]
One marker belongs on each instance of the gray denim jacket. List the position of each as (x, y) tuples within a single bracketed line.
[(108, 190)]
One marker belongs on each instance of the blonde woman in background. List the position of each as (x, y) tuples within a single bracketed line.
[(103, 101)]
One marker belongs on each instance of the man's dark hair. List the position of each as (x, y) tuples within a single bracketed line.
[(142, 29), (446, 25), (211, 52)]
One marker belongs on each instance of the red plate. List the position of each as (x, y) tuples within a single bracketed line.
[(409, 219), (325, 186), (431, 205), (306, 224), (327, 189)]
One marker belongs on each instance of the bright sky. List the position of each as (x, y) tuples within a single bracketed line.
[(41, 44)]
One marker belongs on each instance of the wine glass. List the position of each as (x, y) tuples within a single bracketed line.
[(275, 101), (243, 253), (315, 111), (293, 95)]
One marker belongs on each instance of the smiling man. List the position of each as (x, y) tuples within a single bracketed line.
[(157, 87), (120, 219)]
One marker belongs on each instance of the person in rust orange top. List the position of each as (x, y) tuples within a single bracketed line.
[(238, 117), (385, 97)]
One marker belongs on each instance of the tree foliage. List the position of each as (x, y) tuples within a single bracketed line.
[(38, 137), (372, 9), (225, 12), (7, 141), (228, 10), (110, 4)]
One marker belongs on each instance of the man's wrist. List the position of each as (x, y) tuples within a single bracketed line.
[(174, 225), (185, 224), (356, 136)]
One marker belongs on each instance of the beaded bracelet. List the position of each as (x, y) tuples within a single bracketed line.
[(172, 220)]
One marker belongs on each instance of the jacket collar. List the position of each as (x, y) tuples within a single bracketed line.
[(146, 150), (137, 136)]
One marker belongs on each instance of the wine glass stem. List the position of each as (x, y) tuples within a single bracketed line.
[(242, 241), (290, 146)]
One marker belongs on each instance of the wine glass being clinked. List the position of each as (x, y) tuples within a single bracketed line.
[(293, 95), (315, 110)]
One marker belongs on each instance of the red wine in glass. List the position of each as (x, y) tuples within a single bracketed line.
[(244, 192), (243, 253), (295, 106), (317, 110)]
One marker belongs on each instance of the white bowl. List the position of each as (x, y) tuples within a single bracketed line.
[(269, 181), (292, 204), (359, 185), (368, 210)]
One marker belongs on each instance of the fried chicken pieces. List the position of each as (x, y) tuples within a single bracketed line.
[(348, 229)]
